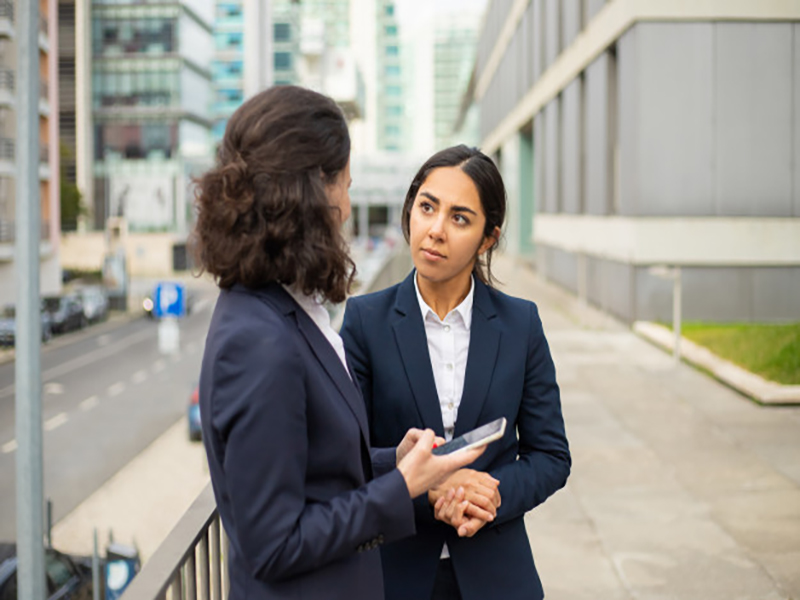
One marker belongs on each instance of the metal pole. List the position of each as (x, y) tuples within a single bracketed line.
[(676, 313), (49, 523), (29, 478), (95, 569)]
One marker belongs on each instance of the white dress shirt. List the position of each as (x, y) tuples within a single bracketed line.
[(448, 347), (317, 312)]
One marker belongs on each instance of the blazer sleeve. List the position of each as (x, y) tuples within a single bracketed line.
[(259, 414), (352, 332), (544, 459)]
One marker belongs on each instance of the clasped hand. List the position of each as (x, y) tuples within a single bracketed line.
[(467, 500)]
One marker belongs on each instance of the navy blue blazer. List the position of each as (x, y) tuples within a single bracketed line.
[(509, 373), (303, 498)]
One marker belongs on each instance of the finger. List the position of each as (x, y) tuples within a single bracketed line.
[(439, 440), (497, 499), (477, 512), (486, 479), (483, 503), (470, 528)]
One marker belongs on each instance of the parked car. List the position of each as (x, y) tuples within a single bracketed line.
[(68, 577), (8, 326), (95, 303), (66, 313), (195, 432)]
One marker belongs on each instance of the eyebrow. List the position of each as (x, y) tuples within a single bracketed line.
[(433, 198)]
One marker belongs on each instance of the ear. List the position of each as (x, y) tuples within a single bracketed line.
[(489, 241)]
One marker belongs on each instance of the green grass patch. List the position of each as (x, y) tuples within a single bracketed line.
[(771, 351)]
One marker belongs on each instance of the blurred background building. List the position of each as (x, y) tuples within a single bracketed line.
[(637, 134), (48, 144)]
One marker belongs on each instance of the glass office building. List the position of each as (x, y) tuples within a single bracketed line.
[(151, 104)]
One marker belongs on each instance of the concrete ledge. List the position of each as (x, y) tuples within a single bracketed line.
[(749, 384)]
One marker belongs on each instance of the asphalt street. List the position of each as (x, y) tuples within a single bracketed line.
[(107, 394)]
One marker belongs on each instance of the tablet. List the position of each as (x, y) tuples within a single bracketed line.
[(479, 436)]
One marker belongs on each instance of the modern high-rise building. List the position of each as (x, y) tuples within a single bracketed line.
[(389, 116), (48, 107), (227, 67), (151, 101), (652, 133)]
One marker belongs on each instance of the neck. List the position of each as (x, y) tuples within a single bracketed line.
[(444, 296)]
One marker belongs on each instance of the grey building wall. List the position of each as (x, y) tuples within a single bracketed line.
[(552, 193), (597, 164), (570, 20), (552, 31), (536, 8), (593, 7), (571, 147), (796, 121)]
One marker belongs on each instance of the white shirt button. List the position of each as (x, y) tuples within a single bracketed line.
[(449, 366), (450, 406), (447, 328)]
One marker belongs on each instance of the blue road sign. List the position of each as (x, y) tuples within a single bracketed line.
[(169, 300)]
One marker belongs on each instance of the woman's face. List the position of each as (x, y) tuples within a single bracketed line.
[(338, 192), (446, 226)]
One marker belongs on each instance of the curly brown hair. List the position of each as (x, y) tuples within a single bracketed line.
[(263, 212)]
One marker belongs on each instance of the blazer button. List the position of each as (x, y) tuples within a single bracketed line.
[(380, 538)]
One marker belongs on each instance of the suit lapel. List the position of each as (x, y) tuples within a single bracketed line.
[(484, 344), (325, 354), (409, 332)]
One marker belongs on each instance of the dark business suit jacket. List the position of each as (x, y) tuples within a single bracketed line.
[(509, 373), (302, 497)]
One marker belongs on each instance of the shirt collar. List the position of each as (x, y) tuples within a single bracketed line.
[(312, 305), (464, 310)]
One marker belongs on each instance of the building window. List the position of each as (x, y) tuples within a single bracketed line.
[(393, 90), (392, 130), (282, 32), (391, 30), (283, 61), (390, 10), (392, 51), (392, 70), (394, 111)]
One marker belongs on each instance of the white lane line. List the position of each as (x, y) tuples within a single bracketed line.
[(88, 358), (89, 403), (159, 366), (56, 422), (53, 388), (116, 389), (139, 376), (9, 446)]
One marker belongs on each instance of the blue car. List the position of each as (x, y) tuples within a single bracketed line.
[(195, 433)]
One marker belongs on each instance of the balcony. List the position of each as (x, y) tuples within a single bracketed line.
[(44, 39), (8, 166), (6, 19), (7, 86)]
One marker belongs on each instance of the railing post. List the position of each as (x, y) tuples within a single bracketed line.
[(226, 546), (191, 576), (216, 560), (176, 589), (205, 591)]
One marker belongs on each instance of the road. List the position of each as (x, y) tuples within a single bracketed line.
[(107, 394)]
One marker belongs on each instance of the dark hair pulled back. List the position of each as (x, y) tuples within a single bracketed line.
[(263, 212), (491, 190)]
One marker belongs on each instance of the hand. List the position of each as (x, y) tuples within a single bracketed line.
[(422, 470), (480, 489), (409, 441), (452, 508)]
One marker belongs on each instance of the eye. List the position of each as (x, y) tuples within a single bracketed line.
[(425, 207), (460, 219)]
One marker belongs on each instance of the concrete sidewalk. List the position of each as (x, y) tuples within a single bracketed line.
[(680, 489)]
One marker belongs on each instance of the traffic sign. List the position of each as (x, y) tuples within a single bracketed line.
[(169, 300)]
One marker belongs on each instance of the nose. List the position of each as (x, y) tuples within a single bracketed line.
[(436, 230)]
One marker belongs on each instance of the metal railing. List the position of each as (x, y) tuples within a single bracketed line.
[(6, 231), (43, 90), (44, 154), (43, 25), (191, 563)]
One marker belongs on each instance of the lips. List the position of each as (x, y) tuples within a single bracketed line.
[(432, 254)]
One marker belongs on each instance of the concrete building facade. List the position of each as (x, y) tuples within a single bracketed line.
[(49, 160), (641, 133)]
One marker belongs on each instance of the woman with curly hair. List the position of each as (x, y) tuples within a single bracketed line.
[(304, 498)]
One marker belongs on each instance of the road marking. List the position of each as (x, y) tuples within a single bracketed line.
[(89, 358), (139, 376), (53, 388), (159, 366), (89, 403), (104, 340), (116, 389), (56, 422), (9, 447)]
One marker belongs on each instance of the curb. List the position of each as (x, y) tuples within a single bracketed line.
[(751, 385)]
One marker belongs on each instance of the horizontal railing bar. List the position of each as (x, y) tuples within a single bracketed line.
[(158, 572)]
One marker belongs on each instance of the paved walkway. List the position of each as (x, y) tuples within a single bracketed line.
[(681, 488)]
